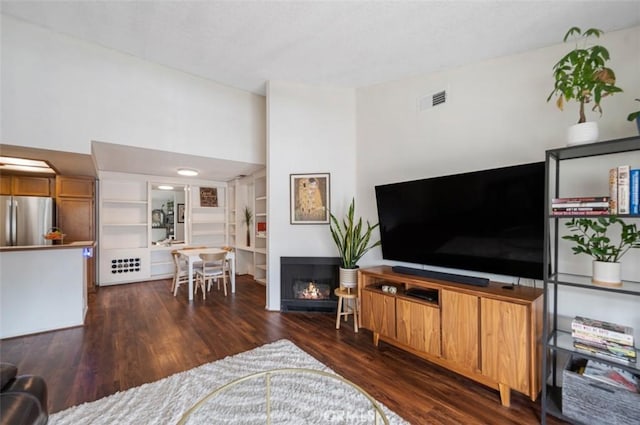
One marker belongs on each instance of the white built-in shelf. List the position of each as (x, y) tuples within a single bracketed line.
[(261, 198), (124, 201), (124, 224), (261, 266), (261, 214), (262, 280), (207, 232), (260, 250)]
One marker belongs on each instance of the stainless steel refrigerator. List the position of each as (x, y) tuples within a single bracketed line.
[(24, 220)]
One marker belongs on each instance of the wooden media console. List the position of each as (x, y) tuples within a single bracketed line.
[(490, 334)]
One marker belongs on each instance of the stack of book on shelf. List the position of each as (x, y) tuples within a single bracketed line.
[(611, 375), (580, 206), (603, 339), (624, 190)]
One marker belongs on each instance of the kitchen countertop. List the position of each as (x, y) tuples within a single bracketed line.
[(79, 244)]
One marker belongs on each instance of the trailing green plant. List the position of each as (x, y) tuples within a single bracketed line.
[(352, 238), (634, 115), (590, 237), (582, 75)]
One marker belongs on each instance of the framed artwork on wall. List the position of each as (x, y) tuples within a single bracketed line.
[(309, 198), (208, 197), (180, 213)]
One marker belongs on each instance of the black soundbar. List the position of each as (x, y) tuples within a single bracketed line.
[(457, 278)]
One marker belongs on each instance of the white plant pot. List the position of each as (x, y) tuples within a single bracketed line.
[(348, 278), (606, 273), (582, 133)]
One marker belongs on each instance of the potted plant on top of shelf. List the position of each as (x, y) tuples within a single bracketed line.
[(352, 240), (581, 75), (590, 237), (635, 116)]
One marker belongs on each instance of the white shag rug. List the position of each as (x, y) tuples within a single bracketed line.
[(296, 399)]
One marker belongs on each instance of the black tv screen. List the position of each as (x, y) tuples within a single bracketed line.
[(488, 221)]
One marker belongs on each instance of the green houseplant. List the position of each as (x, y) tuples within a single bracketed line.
[(590, 237), (352, 239), (635, 116), (581, 75)]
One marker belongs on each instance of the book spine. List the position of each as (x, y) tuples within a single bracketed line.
[(623, 189), (580, 209), (580, 204), (613, 190), (606, 347), (634, 191), (603, 354), (579, 213), (604, 333), (588, 336), (580, 199)]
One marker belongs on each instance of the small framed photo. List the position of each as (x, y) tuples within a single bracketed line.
[(309, 198), (180, 213)]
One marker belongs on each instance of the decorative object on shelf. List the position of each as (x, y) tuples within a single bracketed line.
[(635, 116), (248, 218), (180, 213), (208, 197), (309, 202), (581, 75), (55, 234), (352, 241), (157, 218), (590, 237)]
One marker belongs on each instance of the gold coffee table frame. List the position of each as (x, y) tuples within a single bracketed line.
[(378, 414)]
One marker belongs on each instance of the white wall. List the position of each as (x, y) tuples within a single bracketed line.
[(310, 130), (60, 93), (496, 115)]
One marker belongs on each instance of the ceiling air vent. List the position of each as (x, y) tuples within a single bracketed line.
[(429, 101)]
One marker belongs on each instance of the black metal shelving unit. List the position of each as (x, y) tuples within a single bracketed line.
[(555, 340)]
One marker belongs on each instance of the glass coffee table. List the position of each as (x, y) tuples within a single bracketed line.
[(287, 396)]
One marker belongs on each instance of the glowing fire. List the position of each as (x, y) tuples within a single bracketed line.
[(311, 292)]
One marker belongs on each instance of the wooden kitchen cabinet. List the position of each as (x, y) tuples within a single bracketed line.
[(5, 184), (75, 215), (20, 185), (75, 187)]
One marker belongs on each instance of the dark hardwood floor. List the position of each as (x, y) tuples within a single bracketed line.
[(140, 332)]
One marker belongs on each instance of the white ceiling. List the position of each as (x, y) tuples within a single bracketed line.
[(243, 44)]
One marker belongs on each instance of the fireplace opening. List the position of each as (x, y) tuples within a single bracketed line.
[(307, 283)]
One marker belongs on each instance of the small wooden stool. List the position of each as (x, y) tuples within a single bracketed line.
[(347, 294)]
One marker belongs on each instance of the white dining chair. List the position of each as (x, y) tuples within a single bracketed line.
[(180, 269), (214, 266)]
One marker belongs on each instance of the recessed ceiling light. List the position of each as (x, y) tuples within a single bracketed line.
[(23, 164), (187, 172), (165, 187)]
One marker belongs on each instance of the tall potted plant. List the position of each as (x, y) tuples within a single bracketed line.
[(247, 219), (352, 240), (590, 237), (581, 75)]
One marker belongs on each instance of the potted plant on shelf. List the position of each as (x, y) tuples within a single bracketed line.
[(352, 240), (581, 75), (635, 116), (247, 219), (590, 237)]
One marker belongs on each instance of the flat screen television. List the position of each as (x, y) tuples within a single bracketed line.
[(488, 221)]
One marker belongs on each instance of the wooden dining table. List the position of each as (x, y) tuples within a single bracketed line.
[(193, 256)]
